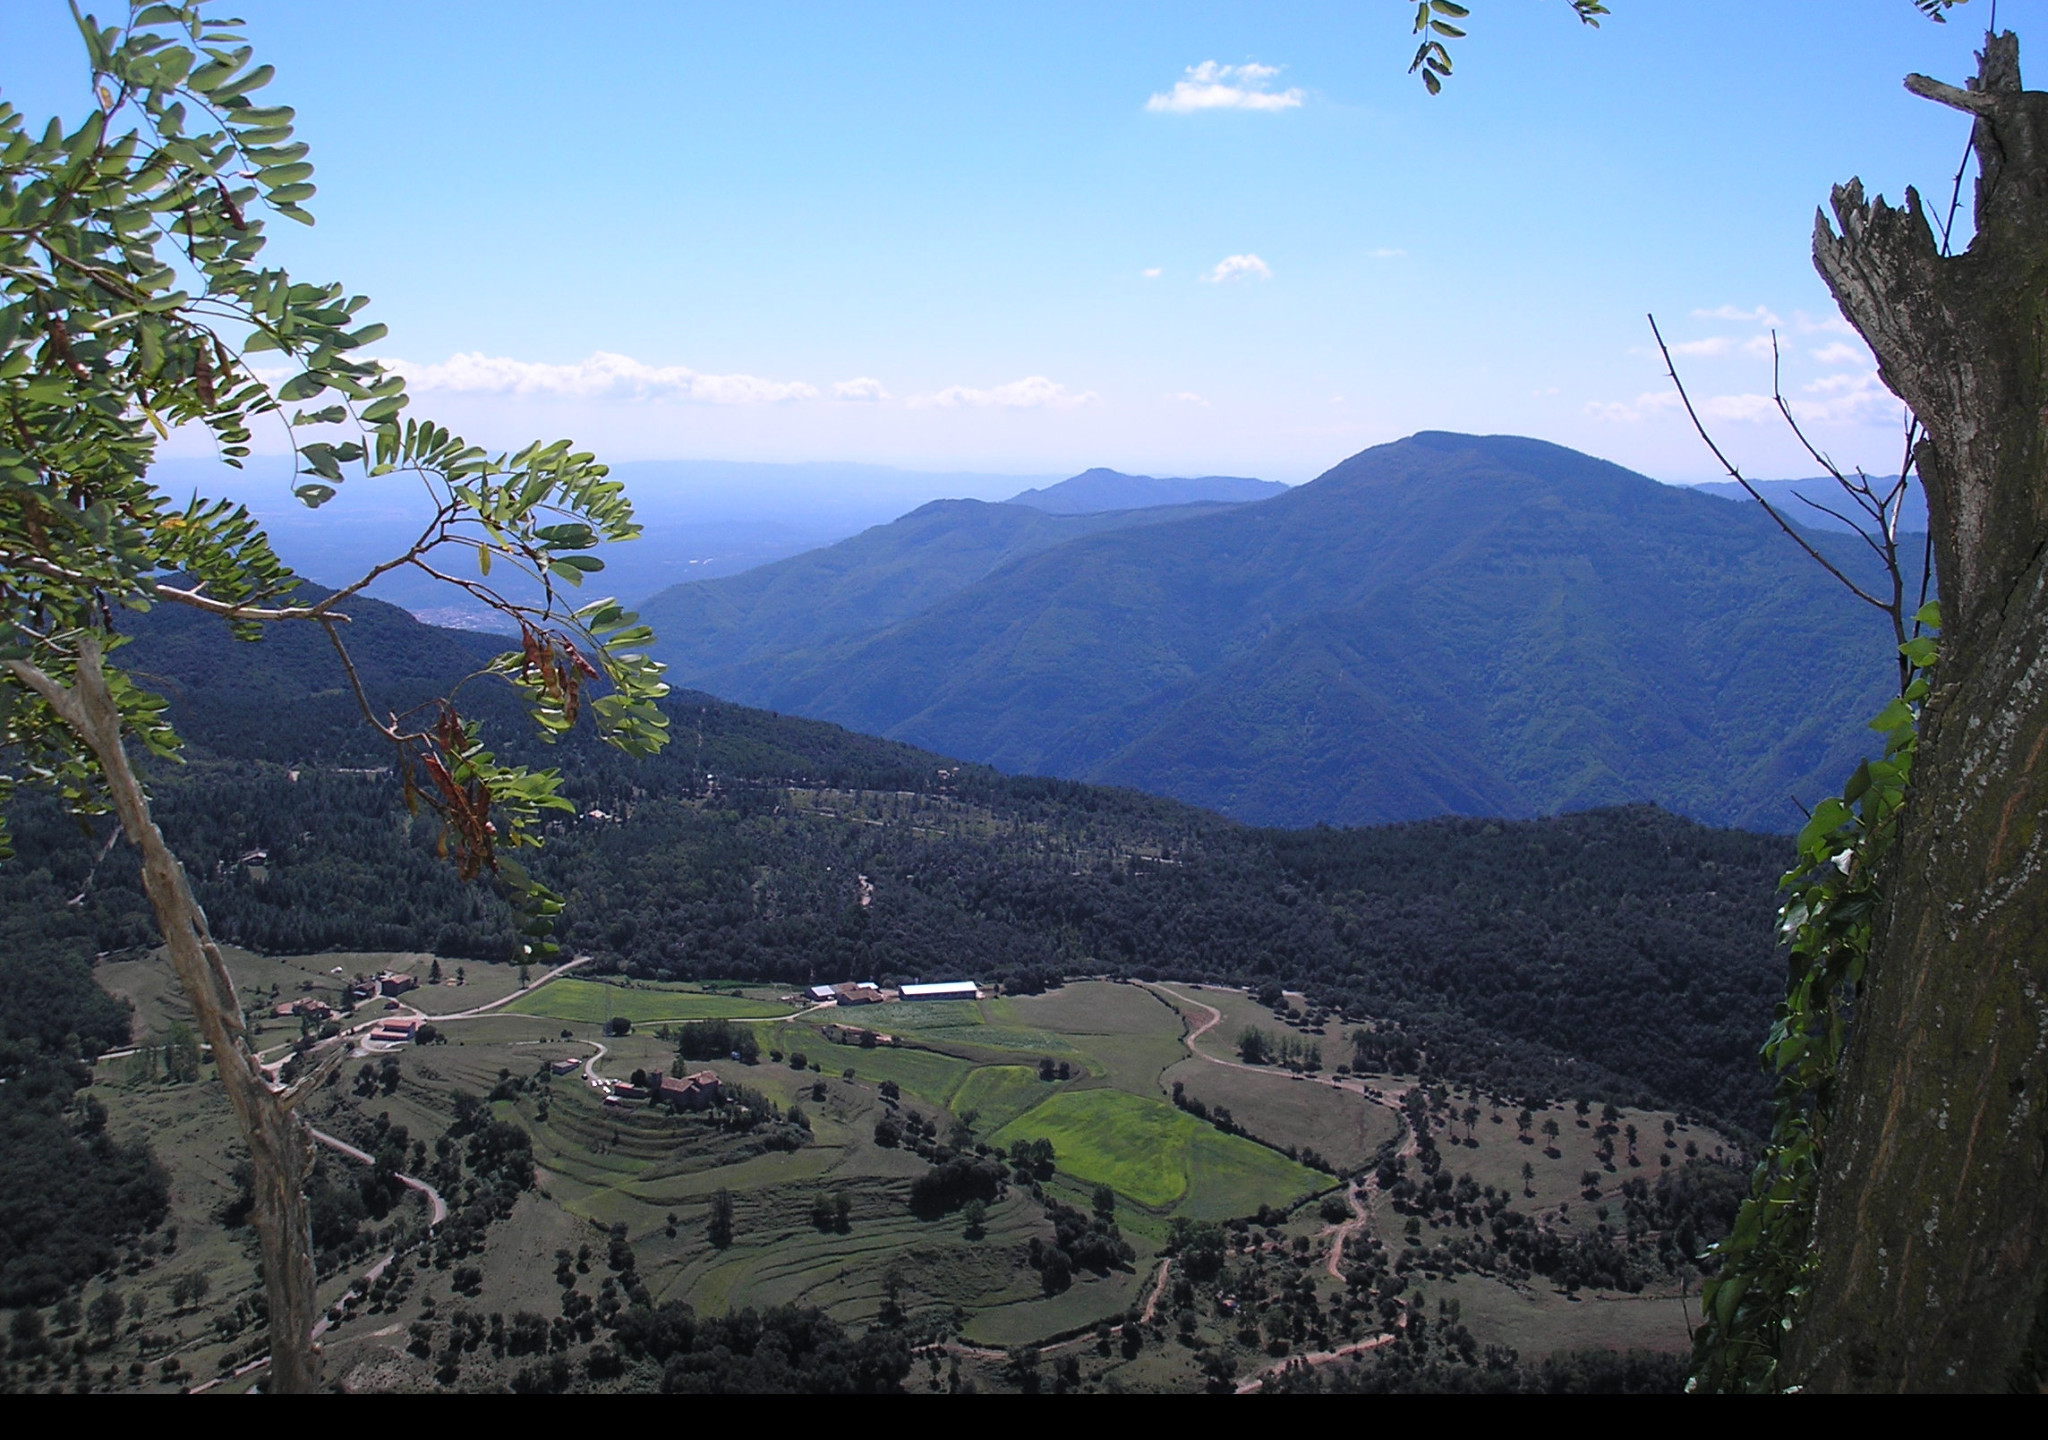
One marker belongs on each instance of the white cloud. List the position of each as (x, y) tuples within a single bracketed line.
[(1829, 324), (1757, 345), (1210, 86), (1385, 254), (1840, 353), (866, 388), (1187, 397), (1033, 392), (1847, 398), (1628, 411), (1152, 274), (1237, 267), (1759, 315), (1856, 395), (603, 375)]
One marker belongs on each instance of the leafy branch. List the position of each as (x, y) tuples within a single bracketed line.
[(132, 292)]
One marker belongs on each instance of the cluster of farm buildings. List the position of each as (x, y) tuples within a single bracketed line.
[(867, 992)]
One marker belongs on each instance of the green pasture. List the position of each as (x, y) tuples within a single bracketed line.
[(1240, 1010), (1286, 1109), (1154, 1154), (1089, 1007), (925, 1074), (593, 1001), (1000, 1093), (925, 1015)]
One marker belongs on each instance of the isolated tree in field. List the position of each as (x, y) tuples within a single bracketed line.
[(132, 291), (720, 1228), (1252, 1046)]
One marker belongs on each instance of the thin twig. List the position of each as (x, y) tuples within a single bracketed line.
[(1754, 494)]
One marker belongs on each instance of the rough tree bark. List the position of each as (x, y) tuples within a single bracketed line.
[(280, 1148), (1932, 1225)]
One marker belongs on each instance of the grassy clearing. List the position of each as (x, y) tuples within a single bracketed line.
[(1148, 1151), (1086, 1008), (928, 1015), (1493, 1152), (923, 1074), (1240, 1010), (591, 1002), (1538, 1320), (1000, 1093), (1284, 1109)]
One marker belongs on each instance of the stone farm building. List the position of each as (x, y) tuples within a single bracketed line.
[(692, 1092)]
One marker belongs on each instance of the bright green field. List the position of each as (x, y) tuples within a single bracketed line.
[(1001, 1093), (586, 1001), (1149, 1151)]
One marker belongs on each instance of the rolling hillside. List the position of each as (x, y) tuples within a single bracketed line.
[(1447, 624), (883, 575)]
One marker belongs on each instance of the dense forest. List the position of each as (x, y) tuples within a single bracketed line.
[(73, 1197), (1621, 953)]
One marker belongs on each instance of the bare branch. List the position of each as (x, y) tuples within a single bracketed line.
[(1971, 102), (1739, 478)]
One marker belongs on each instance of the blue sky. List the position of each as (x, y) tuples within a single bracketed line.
[(947, 236)]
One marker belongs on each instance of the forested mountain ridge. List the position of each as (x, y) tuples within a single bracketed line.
[(1447, 624), (1625, 952), (1103, 489), (883, 575)]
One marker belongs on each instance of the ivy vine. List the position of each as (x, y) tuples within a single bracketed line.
[(1832, 894)]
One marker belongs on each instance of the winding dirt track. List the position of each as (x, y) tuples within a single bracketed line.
[(1358, 1194), (361, 1157), (1158, 1289)]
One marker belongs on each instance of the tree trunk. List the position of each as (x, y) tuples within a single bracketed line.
[(1931, 1233), (280, 1149)]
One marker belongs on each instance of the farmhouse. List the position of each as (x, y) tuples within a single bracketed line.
[(821, 993), (389, 984), (866, 992), (693, 1092), (394, 1032), (942, 990), (563, 1067)]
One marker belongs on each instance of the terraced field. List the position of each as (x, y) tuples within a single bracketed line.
[(825, 1219)]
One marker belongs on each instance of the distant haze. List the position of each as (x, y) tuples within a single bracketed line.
[(701, 518), (1800, 501)]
